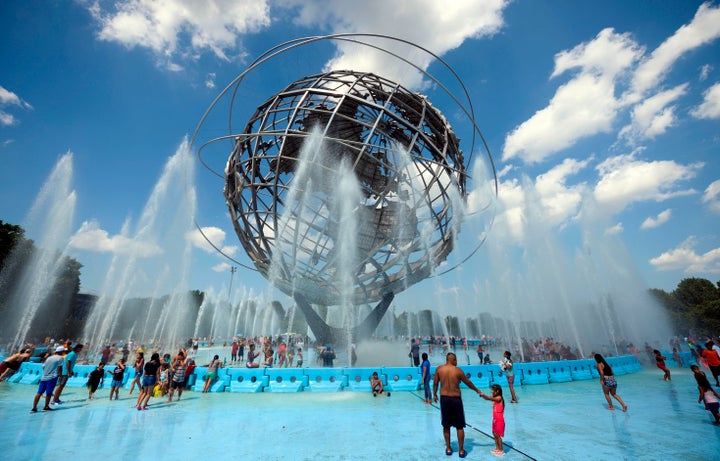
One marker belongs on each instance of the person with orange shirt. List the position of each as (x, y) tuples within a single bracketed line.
[(713, 360)]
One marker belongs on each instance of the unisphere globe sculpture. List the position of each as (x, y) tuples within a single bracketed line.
[(410, 174), (345, 188)]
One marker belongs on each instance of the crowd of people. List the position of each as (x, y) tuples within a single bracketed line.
[(168, 375)]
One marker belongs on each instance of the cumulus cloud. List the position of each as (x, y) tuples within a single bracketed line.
[(436, 26), (559, 200), (710, 107), (685, 258), (548, 196), (624, 179), (9, 99), (91, 237), (711, 197), (654, 115), (659, 220), (180, 28), (704, 28), (582, 107), (215, 235)]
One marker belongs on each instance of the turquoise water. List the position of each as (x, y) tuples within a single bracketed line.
[(553, 421)]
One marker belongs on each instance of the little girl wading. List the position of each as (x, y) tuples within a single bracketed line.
[(498, 421)]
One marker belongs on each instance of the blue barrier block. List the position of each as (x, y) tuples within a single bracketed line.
[(199, 374), (581, 369), (247, 379), (218, 386), (497, 376), (479, 375), (402, 378), (326, 379), (532, 373), (129, 377), (285, 380), (559, 372), (80, 375), (31, 373), (618, 365), (358, 379), (222, 382)]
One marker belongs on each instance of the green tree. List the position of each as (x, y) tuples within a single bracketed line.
[(696, 291), (10, 236)]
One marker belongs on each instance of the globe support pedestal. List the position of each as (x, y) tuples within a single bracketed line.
[(325, 334)]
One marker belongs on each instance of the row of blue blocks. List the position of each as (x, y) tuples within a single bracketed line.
[(355, 379)]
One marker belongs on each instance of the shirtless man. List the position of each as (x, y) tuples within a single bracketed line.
[(448, 376)]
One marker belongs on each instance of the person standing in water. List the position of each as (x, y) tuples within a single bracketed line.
[(498, 420), (506, 364), (608, 382), (448, 377), (660, 362)]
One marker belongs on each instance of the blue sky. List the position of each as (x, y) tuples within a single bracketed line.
[(602, 109)]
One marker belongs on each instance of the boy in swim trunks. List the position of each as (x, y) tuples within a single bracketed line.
[(448, 377)]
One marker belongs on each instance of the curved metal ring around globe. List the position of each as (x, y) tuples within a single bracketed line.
[(365, 120)]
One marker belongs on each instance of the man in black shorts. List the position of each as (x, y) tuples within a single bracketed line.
[(449, 376)]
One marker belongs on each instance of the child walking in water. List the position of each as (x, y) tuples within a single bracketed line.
[(660, 361), (498, 420), (95, 378), (707, 393), (117, 380)]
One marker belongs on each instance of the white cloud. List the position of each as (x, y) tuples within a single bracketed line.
[(199, 238), (685, 258), (222, 267), (214, 235), (8, 98), (652, 116), (181, 27), (584, 106), (710, 107), (436, 26), (210, 80), (625, 179), (7, 119), (559, 200), (659, 220), (91, 237), (712, 196), (614, 230), (549, 196), (704, 28), (705, 72)]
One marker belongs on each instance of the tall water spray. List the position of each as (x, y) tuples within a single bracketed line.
[(155, 263), (49, 223), (591, 299)]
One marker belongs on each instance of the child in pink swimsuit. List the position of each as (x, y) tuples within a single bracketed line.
[(498, 421)]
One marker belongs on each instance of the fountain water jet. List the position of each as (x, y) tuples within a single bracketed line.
[(50, 218), (157, 259)]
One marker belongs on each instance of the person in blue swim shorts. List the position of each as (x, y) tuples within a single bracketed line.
[(448, 377)]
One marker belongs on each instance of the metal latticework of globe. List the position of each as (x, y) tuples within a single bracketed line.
[(408, 167)]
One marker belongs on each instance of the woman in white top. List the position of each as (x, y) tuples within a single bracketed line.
[(507, 366)]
